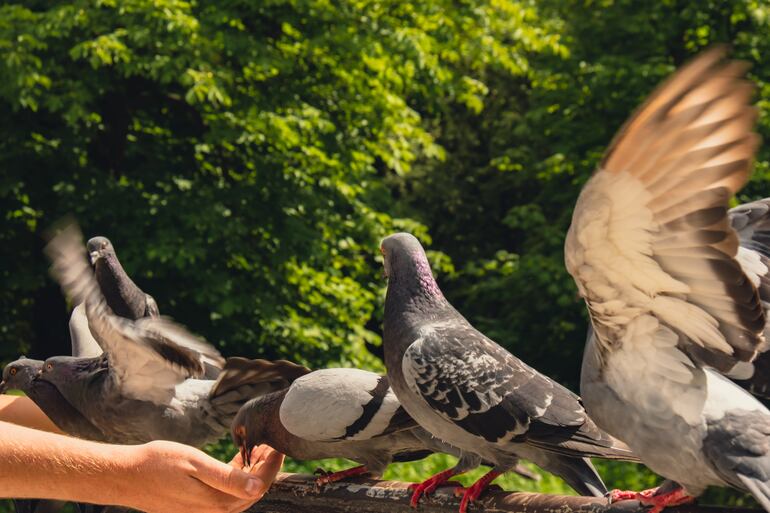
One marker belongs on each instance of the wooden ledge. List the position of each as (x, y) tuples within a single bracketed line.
[(297, 493)]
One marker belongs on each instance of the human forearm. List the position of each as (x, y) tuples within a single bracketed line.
[(154, 477), (22, 411), (46, 465)]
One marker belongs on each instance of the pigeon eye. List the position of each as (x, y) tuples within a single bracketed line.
[(48, 366), (13, 371)]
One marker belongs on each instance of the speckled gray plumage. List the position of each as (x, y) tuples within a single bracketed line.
[(468, 391)]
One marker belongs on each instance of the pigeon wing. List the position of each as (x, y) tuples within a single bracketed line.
[(650, 246), (482, 388), (344, 404), (147, 357)]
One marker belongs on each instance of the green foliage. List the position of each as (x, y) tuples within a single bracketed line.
[(247, 157)]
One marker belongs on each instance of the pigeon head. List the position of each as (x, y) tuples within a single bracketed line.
[(71, 372), (407, 265), (99, 248), (250, 426), (20, 374)]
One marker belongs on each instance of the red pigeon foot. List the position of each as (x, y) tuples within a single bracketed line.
[(429, 485), (652, 498), (474, 491), (333, 477)]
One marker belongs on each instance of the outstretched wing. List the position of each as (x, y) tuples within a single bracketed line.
[(650, 246), (482, 388), (147, 357)]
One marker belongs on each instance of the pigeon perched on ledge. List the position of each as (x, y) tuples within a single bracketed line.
[(471, 393), (677, 299), (337, 413), (148, 383)]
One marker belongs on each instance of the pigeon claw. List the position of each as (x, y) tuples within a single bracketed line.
[(429, 485), (651, 497), (474, 491), (332, 477)]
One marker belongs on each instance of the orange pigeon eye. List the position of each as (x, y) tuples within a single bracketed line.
[(13, 371), (49, 366)]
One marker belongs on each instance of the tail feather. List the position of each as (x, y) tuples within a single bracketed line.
[(580, 474), (254, 377)]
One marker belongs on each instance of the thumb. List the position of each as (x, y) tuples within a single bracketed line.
[(232, 481)]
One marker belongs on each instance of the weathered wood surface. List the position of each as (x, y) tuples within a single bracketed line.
[(295, 493)]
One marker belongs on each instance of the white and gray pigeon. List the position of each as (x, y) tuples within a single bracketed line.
[(672, 290), (337, 413), (471, 393), (148, 383)]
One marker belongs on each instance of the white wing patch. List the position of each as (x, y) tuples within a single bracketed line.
[(320, 406), (724, 396)]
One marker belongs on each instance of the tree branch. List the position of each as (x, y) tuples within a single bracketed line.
[(295, 493)]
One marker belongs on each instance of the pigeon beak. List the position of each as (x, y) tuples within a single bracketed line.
[(3, 387), (95, 255), (245, 456)]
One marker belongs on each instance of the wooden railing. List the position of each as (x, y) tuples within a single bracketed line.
[(295, 493)]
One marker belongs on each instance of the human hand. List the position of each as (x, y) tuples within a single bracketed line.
[(163, 476)]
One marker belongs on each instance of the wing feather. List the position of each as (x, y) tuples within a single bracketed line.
[(482, 388), (147, 357), (651, 235)]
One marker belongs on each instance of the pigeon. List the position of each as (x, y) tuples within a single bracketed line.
[(148, 384), (676, 295), (123, 296), (355, 415), (22, 375), (471, 393)]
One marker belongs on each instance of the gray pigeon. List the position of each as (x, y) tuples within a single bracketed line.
[(147, 383), (22, 375), (123, 296), (337, 413), (471, 393), (672, 291)]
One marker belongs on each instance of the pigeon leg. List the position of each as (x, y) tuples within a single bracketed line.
[(333, 477), (474, 491), (654, 498), (430, 485)]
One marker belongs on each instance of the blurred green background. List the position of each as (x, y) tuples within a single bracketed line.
[(245, 158)]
